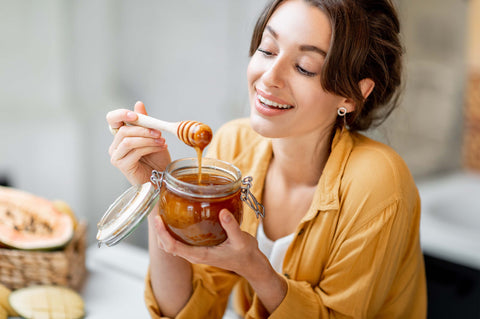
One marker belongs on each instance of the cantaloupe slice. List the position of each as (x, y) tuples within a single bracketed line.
[(63, 207), (49, 302), (30, 222)]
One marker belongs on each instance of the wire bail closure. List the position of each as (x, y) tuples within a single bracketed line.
[(247, 197), (157, 179)]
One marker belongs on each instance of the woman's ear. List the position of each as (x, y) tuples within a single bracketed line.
[(349, 104), (366, 86)]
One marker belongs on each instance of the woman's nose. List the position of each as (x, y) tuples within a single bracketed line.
[(275, 73)]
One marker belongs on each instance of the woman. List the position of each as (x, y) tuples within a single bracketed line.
[(340, 237)]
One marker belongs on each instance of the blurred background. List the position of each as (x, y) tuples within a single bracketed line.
[(65, 64)]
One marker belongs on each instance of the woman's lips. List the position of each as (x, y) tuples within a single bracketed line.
[(272, 101), (269, 105)]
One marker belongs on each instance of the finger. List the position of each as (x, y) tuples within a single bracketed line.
[(164, 239), (156, 220), (160, 227), (130, 131), (133, 131), (132, 142), (117, 118), (140, 108), (230, 224), (176, 248), (129, 161)]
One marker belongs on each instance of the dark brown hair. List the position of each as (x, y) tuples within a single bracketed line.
[(365, 44)]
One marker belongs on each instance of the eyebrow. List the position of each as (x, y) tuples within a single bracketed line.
[(303, 47)]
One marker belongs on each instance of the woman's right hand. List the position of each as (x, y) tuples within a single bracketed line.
[(135, 150)]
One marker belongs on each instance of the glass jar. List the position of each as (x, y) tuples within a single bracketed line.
[(188, 205)]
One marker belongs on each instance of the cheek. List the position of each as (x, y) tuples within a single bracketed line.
[(319, 102), (253, 72)]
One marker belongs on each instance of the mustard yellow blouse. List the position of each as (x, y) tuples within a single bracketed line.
[(355, 254)]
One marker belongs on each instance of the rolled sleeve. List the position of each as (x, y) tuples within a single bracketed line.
[(301, 301)]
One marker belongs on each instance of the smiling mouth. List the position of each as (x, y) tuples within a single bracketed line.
[(271, 104)]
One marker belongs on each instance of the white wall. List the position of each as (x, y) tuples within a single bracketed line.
[(65, 64)]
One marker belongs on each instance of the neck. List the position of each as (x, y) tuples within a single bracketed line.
[(300, 160)]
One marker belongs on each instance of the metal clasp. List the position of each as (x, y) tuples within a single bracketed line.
[(249, 199), (157, 179)]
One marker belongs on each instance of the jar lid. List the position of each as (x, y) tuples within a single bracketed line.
[(126, 213)]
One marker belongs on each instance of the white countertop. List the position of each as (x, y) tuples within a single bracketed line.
[(115, 282), (450, 223)]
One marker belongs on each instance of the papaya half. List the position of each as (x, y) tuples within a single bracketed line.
[(30, 222)]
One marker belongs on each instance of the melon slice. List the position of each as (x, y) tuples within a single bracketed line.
[(4, 303), (63, 207), (30, 222), (49, 302), (3, 313)]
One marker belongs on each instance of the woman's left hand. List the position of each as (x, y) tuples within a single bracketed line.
[(238, 249)]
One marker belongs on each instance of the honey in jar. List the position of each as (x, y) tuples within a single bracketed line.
[(189, 206)]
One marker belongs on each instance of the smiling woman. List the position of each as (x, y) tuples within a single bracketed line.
[(340, 235), (358, 48), (282, 71)]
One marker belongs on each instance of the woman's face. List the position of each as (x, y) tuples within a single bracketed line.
[(286, 96)]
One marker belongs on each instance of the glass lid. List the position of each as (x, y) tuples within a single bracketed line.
[(126, 213)]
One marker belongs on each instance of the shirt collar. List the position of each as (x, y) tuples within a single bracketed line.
[(326, 195), (254, 162)]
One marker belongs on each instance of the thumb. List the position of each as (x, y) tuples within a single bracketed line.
[(230, 225), (140, 108)]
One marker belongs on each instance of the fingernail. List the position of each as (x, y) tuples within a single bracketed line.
[(155, 133), (226, 217), (130, 115), (159, 141)]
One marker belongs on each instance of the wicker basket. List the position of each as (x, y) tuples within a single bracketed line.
[(65, 267)]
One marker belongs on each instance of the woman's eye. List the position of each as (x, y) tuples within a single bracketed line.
[(305, 72), (265, 52)]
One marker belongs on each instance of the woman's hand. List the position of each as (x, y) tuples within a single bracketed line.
[(238, 253), (239, 247), (135, 150)]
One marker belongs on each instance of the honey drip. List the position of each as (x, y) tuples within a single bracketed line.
[(200, 136), (199, 157)]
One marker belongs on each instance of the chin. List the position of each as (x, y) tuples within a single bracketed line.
[(264, 127)]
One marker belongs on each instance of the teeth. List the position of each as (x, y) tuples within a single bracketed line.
[(274, 104)]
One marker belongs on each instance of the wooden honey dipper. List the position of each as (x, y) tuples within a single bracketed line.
[(192, 133)]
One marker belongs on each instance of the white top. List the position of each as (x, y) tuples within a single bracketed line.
[(275, 252)]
